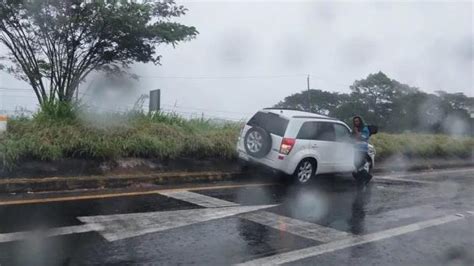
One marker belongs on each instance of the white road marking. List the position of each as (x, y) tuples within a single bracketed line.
[(426, 211), (121, 226), (67, 230), (199, 199), (349, 242), (434, 173), (399, 178), (297, 227), (300, 228), (445, 171)]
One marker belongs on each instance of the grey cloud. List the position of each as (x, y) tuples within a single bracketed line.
[(425, 44)]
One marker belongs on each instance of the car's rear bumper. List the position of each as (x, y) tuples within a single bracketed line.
[(271, 160)]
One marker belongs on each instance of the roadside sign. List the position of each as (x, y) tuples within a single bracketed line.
[(155, 96)]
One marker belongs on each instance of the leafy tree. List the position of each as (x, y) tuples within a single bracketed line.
[(54, 44), (394, 106), (322, 102), (456, 101), (351, 108), (378, 93)]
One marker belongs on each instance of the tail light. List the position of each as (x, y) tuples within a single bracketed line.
[(286, 145)]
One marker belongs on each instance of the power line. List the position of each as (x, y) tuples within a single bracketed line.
[(15, 89), (193, 115), (223, 77), (330, 81), (205, 110), (19, 96)]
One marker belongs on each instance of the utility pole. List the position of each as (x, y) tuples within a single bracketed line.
[(471, 122), (309, 94)]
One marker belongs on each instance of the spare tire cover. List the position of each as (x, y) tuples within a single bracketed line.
[(257, 142)]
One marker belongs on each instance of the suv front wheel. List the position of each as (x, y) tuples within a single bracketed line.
[(305, 171)]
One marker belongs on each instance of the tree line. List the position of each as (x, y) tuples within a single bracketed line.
[(393, 106)]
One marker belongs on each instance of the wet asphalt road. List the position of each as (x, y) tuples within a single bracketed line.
[(411, 219)]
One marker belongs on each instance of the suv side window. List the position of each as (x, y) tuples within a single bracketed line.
[(326, 132), (317, 131), (308, 131), (342, 133)]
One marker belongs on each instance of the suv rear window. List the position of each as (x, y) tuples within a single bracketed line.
[(271, 122)]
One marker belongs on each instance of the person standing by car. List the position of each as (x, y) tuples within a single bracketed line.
[(361, 135)]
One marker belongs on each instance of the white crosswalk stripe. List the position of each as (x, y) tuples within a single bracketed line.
[(426, 211), (283, 223), (199, 199), (297, 227), (122, 226), (355, 240), (67, 230)]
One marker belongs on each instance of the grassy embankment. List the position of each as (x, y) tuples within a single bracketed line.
[(111, 136)]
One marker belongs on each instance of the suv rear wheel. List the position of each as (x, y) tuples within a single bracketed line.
[(305, 171), (257, 142)]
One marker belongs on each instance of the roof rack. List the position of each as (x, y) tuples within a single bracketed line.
[(314, 117), (285, 108), (293, 109)]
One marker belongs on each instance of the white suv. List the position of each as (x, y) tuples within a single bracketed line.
[(299, 143)]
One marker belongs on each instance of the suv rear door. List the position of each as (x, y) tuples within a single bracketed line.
[(320, 136), (324, 142)]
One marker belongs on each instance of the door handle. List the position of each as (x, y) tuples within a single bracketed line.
[(314, 145)]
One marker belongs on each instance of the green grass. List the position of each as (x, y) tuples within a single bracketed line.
[(422, 145), (49, 136), (112, 136)]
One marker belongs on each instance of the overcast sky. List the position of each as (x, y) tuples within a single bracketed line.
[(250, 55)]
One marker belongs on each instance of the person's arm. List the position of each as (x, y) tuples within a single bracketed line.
[(356, 133), (364, 134)]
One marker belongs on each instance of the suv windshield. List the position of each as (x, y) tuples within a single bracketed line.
[(271, 122)]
